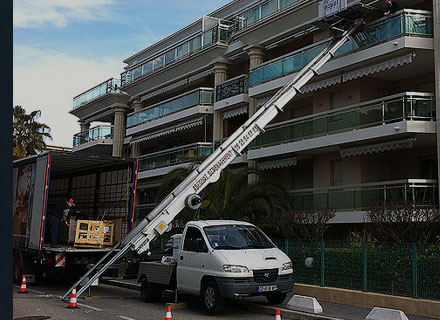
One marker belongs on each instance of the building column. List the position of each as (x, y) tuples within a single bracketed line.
[(256, 57), (118, 131), (436, 16), (220, 75), (83, 125), (136, 147)]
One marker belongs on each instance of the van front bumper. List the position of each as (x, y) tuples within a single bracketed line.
[(245, 287)]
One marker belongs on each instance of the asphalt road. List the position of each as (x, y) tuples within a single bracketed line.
[(116, 303)]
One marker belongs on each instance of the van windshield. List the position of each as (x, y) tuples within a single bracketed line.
[(237, 237)]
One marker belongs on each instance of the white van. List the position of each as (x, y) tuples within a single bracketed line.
[(221, 259)]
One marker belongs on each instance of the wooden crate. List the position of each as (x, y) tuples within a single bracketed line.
[(92, 234)]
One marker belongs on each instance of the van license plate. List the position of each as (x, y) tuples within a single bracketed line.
[(267, 288)]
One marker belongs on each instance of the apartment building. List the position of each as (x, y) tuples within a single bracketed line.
[(362, 131)]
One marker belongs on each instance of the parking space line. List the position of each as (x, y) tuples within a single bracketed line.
[(90, 307), (126, 318)]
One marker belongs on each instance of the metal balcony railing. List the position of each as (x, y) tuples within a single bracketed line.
[(177, 155), (97, 91), (363, 196), (200, 96), (407, 23), (231, 87), (95, 133), (407, 105)]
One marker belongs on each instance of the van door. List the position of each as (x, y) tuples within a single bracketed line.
[(189, 270)]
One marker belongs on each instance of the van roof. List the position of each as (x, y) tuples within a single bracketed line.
[(206, 223)]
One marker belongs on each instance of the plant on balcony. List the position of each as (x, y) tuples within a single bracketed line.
[(401, 221), (305, 224), (28, 134)]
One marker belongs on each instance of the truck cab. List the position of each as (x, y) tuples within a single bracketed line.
[(220, 259)]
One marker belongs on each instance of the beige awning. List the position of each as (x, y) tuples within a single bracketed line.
[(279, 163), (234, 112), (389, 64), (376, 148), (178, 127), (322, 84)]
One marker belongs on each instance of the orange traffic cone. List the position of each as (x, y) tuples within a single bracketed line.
[(168, 316), (278, 315), (23, 288), (73, 302)]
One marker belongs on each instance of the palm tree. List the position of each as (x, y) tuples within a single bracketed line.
[(28, 134), (231, 197)]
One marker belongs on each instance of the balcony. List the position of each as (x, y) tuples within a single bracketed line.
[(100, 136), (187, 105), (409, 23), (363, 196), (161, 162), (189, 59), (97, 91), (231, 93), (376, 119)]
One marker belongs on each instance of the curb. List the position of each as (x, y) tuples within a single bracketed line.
[(251, 307), (285, 313)]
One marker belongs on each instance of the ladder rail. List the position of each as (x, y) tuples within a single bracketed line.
[(209, 170)]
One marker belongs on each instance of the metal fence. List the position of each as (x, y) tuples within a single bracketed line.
[(401, 269)]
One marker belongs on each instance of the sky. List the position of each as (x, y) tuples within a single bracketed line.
[(62, 48)]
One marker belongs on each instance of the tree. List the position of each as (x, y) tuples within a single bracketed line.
[(28, 134), (402, 221), (231, 197), (305, 224)]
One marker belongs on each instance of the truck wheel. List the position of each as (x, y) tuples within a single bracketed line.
[(276, 297), (212, 299), (18, 268), (150, 292)]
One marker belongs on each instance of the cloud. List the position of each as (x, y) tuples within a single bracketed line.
[(50, 82), (59, 13)]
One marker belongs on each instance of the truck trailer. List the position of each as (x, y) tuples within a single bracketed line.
[(103, 189)]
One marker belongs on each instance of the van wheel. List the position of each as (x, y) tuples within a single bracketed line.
[(212, 299), (276, 297), (150, 292)]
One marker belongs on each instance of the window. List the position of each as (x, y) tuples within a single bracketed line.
[(137, 72), (182, 50), (194, 241), (195, 44), (158, 62), (170, 56)]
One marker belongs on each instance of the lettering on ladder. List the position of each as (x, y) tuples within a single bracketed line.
[(60, 260)]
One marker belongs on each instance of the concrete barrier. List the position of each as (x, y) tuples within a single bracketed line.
[(385, 314), (304, 303)]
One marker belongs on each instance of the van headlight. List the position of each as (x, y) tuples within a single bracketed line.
[(234, 268), (286, 266)]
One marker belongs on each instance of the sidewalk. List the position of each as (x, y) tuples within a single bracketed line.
[(332, 311)]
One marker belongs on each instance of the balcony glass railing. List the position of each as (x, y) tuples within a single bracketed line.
[(169, 157), (363, 196), (231, 87), (200, 96), (97, 91), (407, 23), (254, 15), (416, 106), (96, 133), (218, 34)]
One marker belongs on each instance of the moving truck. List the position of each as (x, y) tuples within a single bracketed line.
[(103, 188), (219, 259)]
